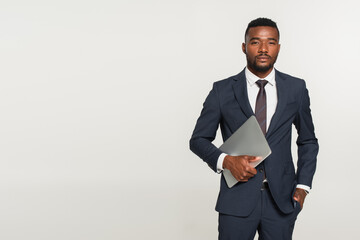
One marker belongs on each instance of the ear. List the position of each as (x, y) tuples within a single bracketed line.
[(243, 48)]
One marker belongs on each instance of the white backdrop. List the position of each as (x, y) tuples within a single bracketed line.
[(90, 90)]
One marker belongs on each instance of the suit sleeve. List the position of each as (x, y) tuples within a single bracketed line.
[(307, 142), (205, 130)]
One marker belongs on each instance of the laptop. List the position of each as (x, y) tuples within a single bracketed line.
[(247, 140)]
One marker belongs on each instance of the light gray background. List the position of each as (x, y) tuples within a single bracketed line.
[(91, 89)]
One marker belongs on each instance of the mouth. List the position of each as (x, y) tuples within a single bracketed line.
[(263, 58)]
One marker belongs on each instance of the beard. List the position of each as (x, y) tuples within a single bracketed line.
[(259, 68)]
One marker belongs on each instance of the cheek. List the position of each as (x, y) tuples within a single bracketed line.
[(275, 51), (251, 53)]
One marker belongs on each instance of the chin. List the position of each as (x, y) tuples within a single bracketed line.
[(263, 68)]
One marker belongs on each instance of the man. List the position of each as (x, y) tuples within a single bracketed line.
[(269, 197)]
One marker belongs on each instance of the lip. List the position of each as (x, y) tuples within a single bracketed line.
[(263, 59)]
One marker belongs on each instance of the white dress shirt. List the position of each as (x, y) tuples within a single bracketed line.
[(271, 102)]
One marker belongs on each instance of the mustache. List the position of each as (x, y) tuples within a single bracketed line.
[(263, 55)]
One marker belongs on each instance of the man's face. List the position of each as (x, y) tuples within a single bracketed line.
[(261, 48)]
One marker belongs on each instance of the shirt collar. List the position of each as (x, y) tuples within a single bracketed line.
[(252, 78)]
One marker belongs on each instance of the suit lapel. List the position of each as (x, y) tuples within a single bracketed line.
[(282, 94), (241, 95)]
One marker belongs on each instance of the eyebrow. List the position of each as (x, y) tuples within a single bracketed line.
[(256, 38)]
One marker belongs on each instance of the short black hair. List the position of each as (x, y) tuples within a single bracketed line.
[(260, 22)]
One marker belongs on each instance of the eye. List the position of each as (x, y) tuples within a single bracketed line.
[(254, 43), (272, 43)]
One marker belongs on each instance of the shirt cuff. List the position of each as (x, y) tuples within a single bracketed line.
[(306, 188), (219, 165)]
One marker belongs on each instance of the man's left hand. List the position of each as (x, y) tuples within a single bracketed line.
[(299, 196)]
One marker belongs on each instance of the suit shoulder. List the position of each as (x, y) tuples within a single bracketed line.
[(289, 77), (224, 81), (227, 82)]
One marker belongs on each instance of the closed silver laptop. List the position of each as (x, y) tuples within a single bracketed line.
[(247, 140)]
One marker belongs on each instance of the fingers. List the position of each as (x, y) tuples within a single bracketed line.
[(254, 159), (240, 167), (251, 171), (245, 175), (296, 196), (242, 177), (299, 196), (301, 202), (251, 158)]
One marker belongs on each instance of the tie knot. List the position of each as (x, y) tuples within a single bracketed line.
[(261, 83)]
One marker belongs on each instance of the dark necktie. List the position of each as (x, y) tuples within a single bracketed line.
[(260, 107)]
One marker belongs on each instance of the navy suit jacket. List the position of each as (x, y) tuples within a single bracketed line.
[(228, 105)]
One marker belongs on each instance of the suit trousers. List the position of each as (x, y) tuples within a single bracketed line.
[(266, 218)]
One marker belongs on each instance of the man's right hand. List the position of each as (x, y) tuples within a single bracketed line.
[(239, 166)]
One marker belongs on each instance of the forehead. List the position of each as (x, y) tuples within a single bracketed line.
[(262, 32)]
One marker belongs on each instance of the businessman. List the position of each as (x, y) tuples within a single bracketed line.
[(267, 198)]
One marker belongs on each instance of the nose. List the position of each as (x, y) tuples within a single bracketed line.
[(263, 48)]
